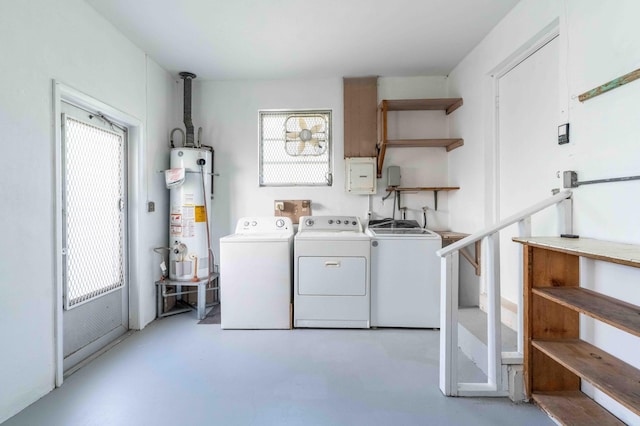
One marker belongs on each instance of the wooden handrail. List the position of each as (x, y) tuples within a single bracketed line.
[(523, 214)]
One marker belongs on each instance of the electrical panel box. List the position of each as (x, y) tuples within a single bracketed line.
[(361, 175)]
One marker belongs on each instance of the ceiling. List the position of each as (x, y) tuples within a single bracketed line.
[(274, 39)]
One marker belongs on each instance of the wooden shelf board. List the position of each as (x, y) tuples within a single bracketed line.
[(574, 408), (614, 312), (445, 104), (621, 253), (425, 188), (607, 373), (449, 144)]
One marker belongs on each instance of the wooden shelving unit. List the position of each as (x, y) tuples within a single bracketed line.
[(445, 104), (555, 359)]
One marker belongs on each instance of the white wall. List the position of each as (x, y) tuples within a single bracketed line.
[(599, 42), (228, 113), (67, 41)]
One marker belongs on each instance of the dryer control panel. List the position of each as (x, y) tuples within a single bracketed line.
[(330, 223)]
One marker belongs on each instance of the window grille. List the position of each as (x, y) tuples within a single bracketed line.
[(295, 148)]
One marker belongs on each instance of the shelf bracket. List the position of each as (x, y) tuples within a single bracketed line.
[(475, 262)]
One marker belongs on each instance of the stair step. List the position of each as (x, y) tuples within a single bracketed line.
[(475, 321)]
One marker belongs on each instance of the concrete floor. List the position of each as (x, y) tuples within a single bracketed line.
[(177, 372)]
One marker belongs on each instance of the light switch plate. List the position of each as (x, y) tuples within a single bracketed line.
[(563, 134)]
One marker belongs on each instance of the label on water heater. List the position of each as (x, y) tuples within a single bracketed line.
[(188, 221), (176, 230), (199, 213)]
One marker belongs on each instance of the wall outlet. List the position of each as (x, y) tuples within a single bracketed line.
[(151, 206)]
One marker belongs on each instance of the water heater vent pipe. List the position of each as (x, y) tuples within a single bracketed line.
[(188, 123)]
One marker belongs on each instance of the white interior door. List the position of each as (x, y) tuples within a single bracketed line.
[(94, 237), (528, 125)]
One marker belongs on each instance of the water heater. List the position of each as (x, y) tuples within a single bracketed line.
[(189, 257)]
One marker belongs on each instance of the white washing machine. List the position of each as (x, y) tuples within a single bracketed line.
[(405, 275), (331, 273), (255, 274)]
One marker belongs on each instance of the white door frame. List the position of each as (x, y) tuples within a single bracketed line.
[(136, 182), (547, 34), (492, 133)]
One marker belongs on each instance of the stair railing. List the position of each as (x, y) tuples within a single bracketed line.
[(497, 383)]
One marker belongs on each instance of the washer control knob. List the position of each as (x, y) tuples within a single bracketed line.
[(354, 223), (338, 221), (246, 223), (309, 222), (330, 221), (346, 222), (279, 223), (254, 223)]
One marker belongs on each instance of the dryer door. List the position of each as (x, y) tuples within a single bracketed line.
[(332, 276)]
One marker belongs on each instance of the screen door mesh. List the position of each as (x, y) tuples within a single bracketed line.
[(94, 228)]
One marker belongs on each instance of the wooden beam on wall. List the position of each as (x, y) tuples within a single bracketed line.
[(613, 84)]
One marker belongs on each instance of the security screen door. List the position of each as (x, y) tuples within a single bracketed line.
[(94, 233)]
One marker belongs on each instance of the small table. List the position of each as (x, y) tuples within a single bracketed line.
[(202, 289)]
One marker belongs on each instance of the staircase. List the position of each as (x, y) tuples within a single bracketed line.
[(546, 361), (503, 367)]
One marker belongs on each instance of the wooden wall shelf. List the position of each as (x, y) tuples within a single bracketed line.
[(435, 190), (424, 188), (555, 359), (448, 144), (448, 105)]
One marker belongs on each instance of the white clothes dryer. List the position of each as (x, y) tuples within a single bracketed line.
[(255, 274), (331, 273)]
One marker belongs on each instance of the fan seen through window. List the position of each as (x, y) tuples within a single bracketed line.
[(295, 148)]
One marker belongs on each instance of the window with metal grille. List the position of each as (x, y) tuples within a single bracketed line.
[(295, 148)]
